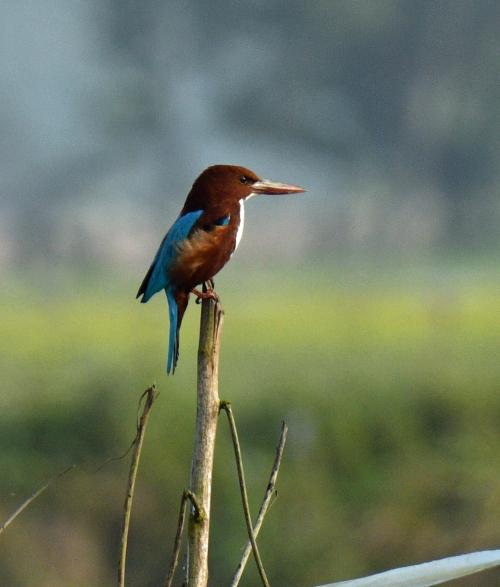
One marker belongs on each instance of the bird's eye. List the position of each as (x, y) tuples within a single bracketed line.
[(244, 179)]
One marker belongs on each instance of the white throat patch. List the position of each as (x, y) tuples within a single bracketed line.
[(239, 234)]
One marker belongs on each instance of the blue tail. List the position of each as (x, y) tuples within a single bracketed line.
[(177, 304), (173, 340)]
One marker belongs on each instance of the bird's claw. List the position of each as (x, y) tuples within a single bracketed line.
[(204, 295)]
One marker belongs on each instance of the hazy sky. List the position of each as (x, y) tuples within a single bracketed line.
[(386, 111)]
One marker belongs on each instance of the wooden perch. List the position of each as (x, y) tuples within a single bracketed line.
[(207, 411), (199, 494)]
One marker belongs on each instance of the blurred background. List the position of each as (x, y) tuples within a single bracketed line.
[(365, 313)]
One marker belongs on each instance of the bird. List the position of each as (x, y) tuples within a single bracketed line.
[(202, 239)]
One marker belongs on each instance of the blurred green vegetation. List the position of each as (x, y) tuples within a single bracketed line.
[(389, 382)]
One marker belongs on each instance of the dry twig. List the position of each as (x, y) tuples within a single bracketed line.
[(32, 498), (266, 502), (226, 406), (148, 397), (199, 515)]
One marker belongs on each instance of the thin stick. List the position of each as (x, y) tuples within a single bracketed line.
[(32, 498), (148, 397), (207, 410), (226, 406), (186, 494), (268, 496)]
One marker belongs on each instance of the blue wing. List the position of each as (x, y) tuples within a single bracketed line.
[(157, 276)]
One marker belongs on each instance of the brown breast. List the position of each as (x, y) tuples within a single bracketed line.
[(205, 252)]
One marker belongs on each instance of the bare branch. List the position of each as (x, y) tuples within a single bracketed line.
[(148, 397), (266, 502), (226, 406)]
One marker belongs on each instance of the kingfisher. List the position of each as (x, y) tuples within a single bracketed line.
[(201, 241)]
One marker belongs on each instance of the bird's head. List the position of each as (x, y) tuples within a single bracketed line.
[(234, 183)]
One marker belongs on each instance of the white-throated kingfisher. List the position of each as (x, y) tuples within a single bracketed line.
[(202, 240)]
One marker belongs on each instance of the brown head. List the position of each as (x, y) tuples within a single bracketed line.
[(229, 184)]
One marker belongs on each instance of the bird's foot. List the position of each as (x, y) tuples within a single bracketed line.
[(204, 295)]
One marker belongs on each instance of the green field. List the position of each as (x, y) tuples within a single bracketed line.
[(389, 382)]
